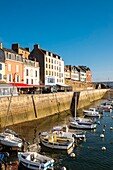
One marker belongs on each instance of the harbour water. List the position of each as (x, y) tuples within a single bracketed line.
[(89, 154)]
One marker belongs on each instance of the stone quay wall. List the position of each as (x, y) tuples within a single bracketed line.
[(18, 109)]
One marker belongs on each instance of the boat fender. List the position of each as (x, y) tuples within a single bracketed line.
[(103, 130), (103, 148), (98, 122), (102, 135), (72, 155), (111, 128)]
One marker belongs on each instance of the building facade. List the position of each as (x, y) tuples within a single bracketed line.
[(51, 66), (31, 72), (24, 52)]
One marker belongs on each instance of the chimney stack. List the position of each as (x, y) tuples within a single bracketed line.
[(28, 49), (36, 46)]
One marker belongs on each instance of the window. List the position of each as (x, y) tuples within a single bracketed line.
[(10, 77), (31, 72), (51, 80), (0, 76), (17, 78), (0, 66), (46, 66), (17, 58), (46, 72), (27, 82), (36, 74), (9, 67), (17, 68), (27, 72), (31, 81), (9, 56)]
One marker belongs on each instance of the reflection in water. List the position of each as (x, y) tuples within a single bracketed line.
[(85, 155)]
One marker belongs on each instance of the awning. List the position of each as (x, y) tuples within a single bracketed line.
[(22, 85)]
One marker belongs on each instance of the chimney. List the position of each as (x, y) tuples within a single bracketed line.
[(15, 47), (36, 46), (0, 45), (28, 49)]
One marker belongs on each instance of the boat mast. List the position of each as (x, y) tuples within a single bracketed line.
[(75, 105)]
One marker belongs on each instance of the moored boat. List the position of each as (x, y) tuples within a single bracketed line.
[(54, 142), (76, 125), (35, 161), (10, 140), (92, 112)]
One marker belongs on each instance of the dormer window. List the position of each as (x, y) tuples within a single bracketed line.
[(9, 56)]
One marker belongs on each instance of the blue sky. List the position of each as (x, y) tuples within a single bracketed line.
[(81, 31)]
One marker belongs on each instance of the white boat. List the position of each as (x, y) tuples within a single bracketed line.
[(51, 141), (10, 140), (63, 131), (106, 107), (92, 112), (82, 120), (35, 161), (67, 132), (81, 123), (76, 125)]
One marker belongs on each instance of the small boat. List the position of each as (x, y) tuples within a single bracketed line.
[(54, 142), (76, 125), (67, 132), (92, 112), (63, 131), (82, 120), (35, 161), (106, 107), (10, 140), (83, 124)]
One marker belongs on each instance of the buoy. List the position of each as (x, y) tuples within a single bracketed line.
[(72, 155), (111, 128), (98, 122), (103, 148), (103, 130), (112, 117), (63, 168), (104, 125), (102, 135), (110, 110)]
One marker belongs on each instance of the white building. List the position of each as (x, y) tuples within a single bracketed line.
[(31, 72), (51, 66)]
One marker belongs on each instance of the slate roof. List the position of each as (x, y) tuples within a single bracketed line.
[(9, 50)]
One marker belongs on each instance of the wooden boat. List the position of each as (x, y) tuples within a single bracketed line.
[(10, 140), (35, 161), (54, 142)]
